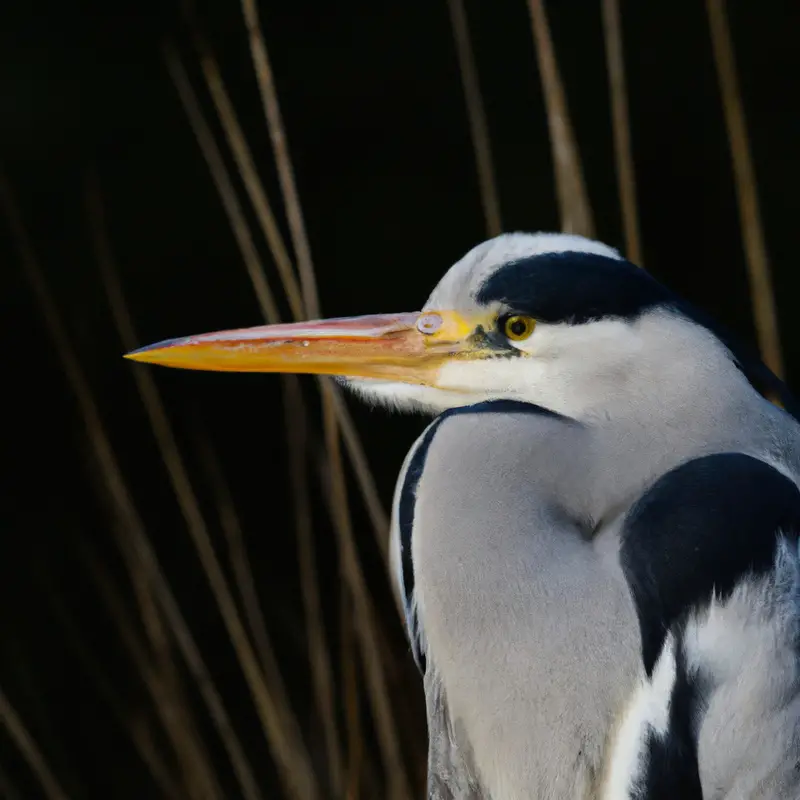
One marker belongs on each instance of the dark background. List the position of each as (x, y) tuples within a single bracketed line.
[(375, 116)]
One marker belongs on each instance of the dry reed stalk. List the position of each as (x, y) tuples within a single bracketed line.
[(159, 677), (382, 711), (244, 579), (378, 517), (224, 185), (19, 734), (352, 706), (137, 729), (271, 699), (222, 182), (154, 626), (476, 114), (142, 561), (758, 267), (366, 632), (254, 187), (136, 543), (37, 718), (573, 200), (620, 122), (272, 111), (244, 576), (318, 655), (390, 666), (159, 670), (245, 164), (102, 449), (364, 615), (318, 457), (318, 651)]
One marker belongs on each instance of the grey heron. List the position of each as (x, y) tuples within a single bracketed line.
[(595, 541)]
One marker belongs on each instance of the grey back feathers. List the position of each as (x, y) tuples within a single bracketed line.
[(601, 582)]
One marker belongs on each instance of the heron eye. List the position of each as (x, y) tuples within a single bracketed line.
[(517, 328)]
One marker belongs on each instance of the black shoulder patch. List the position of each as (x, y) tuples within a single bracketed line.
[(698, 531), (408, 495)]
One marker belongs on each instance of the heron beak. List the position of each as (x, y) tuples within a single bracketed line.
[(398, 347)]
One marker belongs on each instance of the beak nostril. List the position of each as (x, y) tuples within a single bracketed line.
[(429, 323)]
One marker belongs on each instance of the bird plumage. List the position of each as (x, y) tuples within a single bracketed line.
[(594, 543), (508, 531), (710, 553)]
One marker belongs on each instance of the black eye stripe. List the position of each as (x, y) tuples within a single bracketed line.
[(575, 287)]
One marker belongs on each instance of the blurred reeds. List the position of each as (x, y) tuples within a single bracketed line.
[(368, 744)]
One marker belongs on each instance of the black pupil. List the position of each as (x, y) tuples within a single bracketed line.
[(518, 327)]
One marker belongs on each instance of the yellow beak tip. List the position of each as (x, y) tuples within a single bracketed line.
[(150, 352)]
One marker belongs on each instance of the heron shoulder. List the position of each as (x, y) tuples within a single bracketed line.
[(710, 553), (697, 532)]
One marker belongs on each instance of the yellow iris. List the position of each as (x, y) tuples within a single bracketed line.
[(517, 328)]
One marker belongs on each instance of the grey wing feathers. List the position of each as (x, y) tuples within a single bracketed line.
[(451, 773)]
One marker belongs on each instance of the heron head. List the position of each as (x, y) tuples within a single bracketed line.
[(554, 319)]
